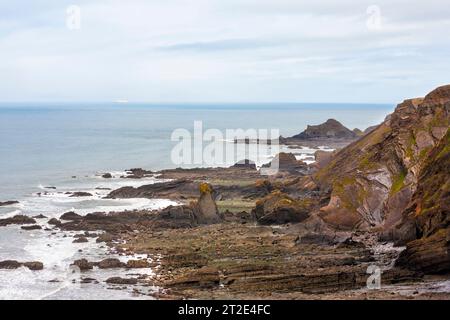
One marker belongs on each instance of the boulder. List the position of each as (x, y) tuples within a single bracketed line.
[(34, 265), (18, 219), (54, 222), (83, 264), (107, 176), (110, 263), (207, 211), (279, 208), (12, 264), (32, 227), (119, 280), (8, 203), (80, 194), (80, 240), (70, 216)]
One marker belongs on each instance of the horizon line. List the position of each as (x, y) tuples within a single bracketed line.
[(117, 102)]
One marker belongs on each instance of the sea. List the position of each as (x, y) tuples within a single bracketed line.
[(49, 149)]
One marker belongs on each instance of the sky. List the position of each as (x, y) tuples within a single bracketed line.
[(347, 51)]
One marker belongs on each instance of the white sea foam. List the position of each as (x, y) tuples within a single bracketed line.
[(57, 250)]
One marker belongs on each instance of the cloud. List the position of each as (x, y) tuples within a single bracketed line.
[(234, 50)]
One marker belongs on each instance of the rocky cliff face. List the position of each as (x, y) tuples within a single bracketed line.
[(426, 221), (329, 129), (372, 181), (395, 180)]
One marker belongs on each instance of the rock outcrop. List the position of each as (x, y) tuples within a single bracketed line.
[(279, 208), (428, 254), (12, 264), (395, 180), (202, 211), (247, 164), (18, 219), (329, 129), (286, 162), (372, 181), (70, 216), (8, 203)]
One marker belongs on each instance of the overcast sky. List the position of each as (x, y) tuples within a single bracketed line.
[(223, 51)]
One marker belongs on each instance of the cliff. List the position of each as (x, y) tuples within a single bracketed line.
[(395, 178)]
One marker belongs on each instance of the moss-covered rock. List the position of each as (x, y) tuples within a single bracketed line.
[(372, 181), (279, 208)]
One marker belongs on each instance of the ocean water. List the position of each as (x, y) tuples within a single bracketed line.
[(47, 144), (68, 146)]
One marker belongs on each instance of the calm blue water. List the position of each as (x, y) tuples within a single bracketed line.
[(48, 143)]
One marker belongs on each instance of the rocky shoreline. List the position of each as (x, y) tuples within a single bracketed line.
[(312, 231)]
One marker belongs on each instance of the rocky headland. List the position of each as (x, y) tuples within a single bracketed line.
[(331, 133), (311, 231)]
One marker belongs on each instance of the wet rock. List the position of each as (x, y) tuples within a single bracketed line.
[(80, 240), (110, 263), (88, 234), (18, 219), (40, 216), (54, 222), (70, 216), (34, 265), (119, 280), (10, 264), (107, 176), (8, 203), (83, 264), (88, 280), (137, 173), (80, 194), (33, 227)]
